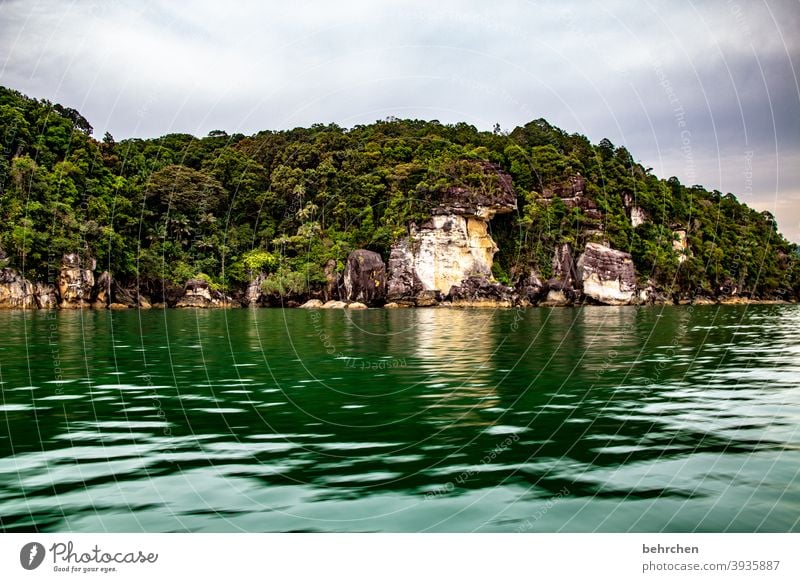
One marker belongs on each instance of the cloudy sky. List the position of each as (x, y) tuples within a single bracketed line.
[(704, 90)]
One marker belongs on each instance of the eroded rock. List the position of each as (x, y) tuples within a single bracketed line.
[(312, 304), (532, 289), (481, 292), (365, 278), (16, 292), (253, 296), (607, 275), (198, 293), (453, 245), (45, 295), (76, 281)]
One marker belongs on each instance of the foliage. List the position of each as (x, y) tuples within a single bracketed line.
[(286, 203)]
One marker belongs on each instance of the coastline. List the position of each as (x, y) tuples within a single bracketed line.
[(728, 301)]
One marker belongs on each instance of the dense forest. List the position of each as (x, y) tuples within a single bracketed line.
[(285, 203)]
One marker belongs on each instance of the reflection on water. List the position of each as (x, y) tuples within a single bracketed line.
[(593, 419)]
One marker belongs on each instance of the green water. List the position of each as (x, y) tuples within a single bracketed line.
[(593, 419)]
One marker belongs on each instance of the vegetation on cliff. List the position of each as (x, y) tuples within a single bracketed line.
[(224, 208)]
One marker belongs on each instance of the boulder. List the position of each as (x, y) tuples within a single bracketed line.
[(16, 292), (607, 275), (365, 278), (198, 293), (531, 288), (76, 281), (356, 305), (394, 306), (477, 291), (102, 290), (427, 298), (312, 304), (334, 305), (558, 297)]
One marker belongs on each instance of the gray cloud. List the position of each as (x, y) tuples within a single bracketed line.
[(725, 72)]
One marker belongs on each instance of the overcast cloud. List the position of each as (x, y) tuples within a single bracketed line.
[(704, 90)]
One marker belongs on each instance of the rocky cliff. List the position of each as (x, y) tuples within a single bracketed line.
[(453, 245)]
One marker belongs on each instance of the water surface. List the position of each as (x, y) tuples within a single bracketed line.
[(592, 419)]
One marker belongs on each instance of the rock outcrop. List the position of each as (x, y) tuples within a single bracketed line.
[(76, 281), (102, 290), (16, 292), (638, 216), (198, 293), (607, 275), (45, 295), (454, 244), (253, 296), (332, 281), (680, 245), (480, 292), (561, 287), (403, 284), (531, 288), (364, 278)]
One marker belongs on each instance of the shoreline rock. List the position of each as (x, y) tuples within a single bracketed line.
[(199, 294), (364, 278)]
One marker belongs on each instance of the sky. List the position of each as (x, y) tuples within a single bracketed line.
[(705, 90)]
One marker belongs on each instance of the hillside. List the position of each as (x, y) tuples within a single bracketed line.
[(283, 210)]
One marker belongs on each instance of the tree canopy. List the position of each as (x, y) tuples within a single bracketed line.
[(288, 202)]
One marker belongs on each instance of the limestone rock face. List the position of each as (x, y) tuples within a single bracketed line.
[(253, 296), (16, 292), (198, 293), (454, 244), (680, 245), (45, 295), (638, 216), (563, 265), (561, 286), (607, 275), (75, 281), (365, 278), (403, 284)]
